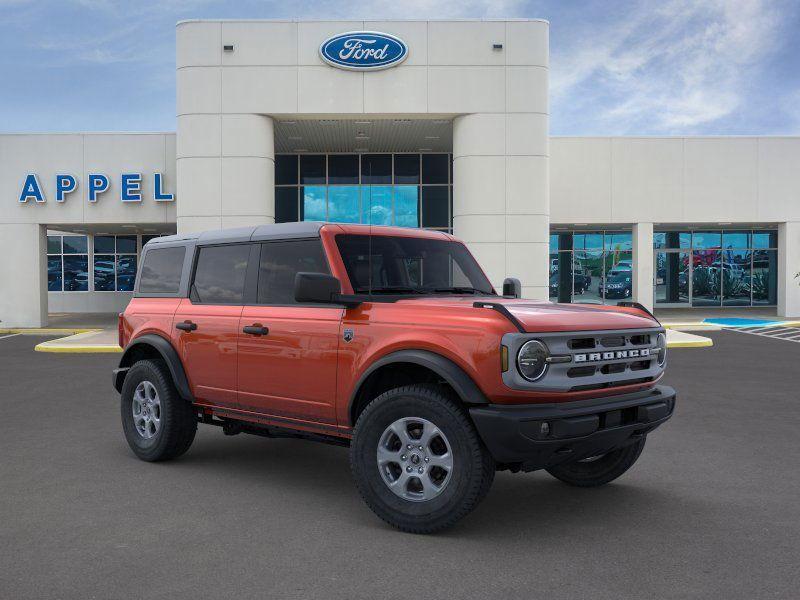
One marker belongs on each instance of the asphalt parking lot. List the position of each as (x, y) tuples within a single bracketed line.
[(711, 510)]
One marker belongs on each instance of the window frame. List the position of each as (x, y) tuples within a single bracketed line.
[(116, 256), (89, 265)]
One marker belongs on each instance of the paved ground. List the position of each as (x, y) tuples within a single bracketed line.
[(710, 511)]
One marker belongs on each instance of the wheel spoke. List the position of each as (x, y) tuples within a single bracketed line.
[(401, 431), (429, 432), (444, 461), (388, 456)]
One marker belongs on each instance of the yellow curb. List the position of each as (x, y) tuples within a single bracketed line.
[(44, 347), (699, 326), (46, 331), (704, 343)]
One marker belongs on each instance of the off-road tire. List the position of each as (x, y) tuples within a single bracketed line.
[(178, 419), (473, 466), (600, 471)]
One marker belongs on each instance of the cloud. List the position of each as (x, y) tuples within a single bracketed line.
[(670, 68)]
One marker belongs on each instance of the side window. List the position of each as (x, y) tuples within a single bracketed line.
[(220, 273), (161, 271), (280, 262)]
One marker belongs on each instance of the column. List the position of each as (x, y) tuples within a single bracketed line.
[(226, 171), (501, 203), (642, 275), (23, 269), (788, 267)]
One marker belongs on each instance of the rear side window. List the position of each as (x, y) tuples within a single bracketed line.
[(220, 274), (280, 262), (161, 271)]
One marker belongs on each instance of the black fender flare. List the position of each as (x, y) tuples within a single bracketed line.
[(462, 384), (167, 352)]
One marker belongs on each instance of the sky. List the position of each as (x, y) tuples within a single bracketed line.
[(617, 67)]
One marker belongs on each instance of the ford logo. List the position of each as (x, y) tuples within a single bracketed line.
[(363, 50)]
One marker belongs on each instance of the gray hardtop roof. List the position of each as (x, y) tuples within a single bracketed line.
[(275, 231)]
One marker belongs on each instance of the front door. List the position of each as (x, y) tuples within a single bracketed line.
[(206, 325), (287, 352)]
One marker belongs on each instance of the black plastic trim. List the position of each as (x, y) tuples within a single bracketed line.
[(577, 429), (167, 352), (501, 308), (454, 375), (642, 307)]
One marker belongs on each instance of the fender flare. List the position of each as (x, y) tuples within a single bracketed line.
[(167, 352), (462, 384)]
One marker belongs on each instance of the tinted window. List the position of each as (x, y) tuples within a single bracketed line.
[(409, 265), (406, 168), (75, 244), (343, 168), (286, 169), (126, 244), (286, 205), (280, 262), (219, 275), (312, 168), (376, 168), (161, 271), (104, 244), (434, 168), (434, 207)]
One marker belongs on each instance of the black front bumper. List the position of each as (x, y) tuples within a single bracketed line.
[(536, 436)]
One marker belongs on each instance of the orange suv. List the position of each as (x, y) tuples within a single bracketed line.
[(390, 341)]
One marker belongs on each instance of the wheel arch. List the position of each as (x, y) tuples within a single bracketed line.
[(382, 375), (153, 346)]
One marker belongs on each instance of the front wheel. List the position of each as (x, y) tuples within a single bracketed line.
[(418, 461), (599, 470)]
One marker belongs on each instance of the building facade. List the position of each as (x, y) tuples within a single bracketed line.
[(435, 124)]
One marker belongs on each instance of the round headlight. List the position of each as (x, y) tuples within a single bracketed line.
[(661, 346), (531, 360)]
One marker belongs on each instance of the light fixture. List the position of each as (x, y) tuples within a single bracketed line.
[(288, 122), (228, 47), (426, 149), (497, 46), (363, 122), (301, 150), (295, 137), (432, 137), (361, 150)]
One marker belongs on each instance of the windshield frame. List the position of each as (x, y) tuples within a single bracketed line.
[(478, 286)]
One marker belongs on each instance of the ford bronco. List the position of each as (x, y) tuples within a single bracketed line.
[(390, 341)]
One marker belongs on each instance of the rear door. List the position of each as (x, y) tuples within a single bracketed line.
[(288, 351), (206, 325)]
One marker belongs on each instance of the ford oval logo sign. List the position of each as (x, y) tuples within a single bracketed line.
[(363, 50)]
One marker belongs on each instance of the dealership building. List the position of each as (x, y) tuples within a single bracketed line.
[(433, 124)]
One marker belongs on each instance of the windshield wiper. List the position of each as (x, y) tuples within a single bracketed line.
[(461, 290), (392, 289)]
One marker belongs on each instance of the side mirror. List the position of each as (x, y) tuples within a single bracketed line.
[(512, 287), (319, 288)]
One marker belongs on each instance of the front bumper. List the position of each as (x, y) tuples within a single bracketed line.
[(536, 436)]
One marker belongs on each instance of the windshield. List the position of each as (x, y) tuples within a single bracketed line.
[(410, 265)]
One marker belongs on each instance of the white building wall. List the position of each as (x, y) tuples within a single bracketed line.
[(452, 71), (23, 262), (691, 181)]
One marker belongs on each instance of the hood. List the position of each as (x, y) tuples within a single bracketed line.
[(545, 316)]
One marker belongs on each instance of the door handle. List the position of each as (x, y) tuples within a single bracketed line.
[(186, 326), (255, 329)]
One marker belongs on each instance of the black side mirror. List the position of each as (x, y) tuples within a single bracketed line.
[(319, 288), (512, 287)]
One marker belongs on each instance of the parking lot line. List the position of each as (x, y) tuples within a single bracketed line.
[(2, 337)]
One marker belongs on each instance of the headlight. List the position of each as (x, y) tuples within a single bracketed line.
[(531, 360), (661, 346)]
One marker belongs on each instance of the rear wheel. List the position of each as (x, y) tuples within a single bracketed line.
[(418, 461), (158, 423), (599, 470)]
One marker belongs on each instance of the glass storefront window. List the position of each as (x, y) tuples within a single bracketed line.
[(672, 278), (707, 239), (76, 273), (618, 241), (407, 190), (376, 205), (67, 263), (104, 272), (343, 202), (314, 203), (54, 273), (75, 244), (587, 274), (406, 205), (721, 268), (588, 241)]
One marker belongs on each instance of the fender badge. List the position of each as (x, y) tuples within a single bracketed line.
[(348, 335)]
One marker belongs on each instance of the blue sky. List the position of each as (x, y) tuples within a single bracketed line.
[(617, 67)]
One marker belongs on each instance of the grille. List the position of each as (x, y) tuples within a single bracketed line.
[(597, 360)]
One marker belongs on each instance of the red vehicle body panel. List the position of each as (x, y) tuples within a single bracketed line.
[(303, 373)]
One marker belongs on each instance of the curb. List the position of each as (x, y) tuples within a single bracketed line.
[(45, 331), (77, 349), (704, 343)]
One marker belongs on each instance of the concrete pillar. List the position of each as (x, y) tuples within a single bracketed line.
[(23, 271), (226, 171), (643, 264), (501, 202), (788, 267)]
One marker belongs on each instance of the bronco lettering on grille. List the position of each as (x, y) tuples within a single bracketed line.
[(615, 355)]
